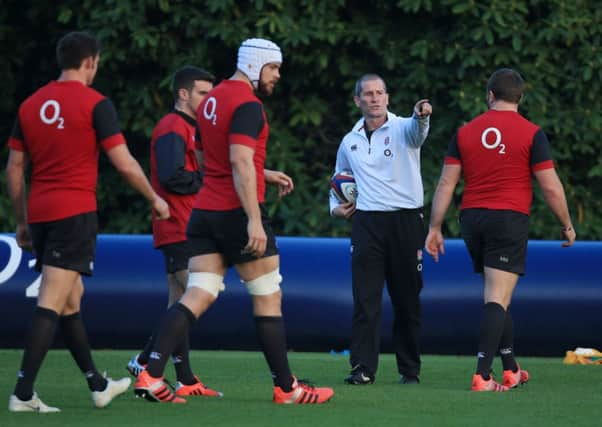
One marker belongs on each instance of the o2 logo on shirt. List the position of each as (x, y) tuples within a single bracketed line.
[(496, 143), (209, 110), (50, 113)]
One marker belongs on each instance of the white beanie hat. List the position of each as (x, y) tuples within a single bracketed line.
[(253, 54)]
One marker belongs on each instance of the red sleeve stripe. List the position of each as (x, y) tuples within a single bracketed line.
[(112, 141), (451, 161), (16, 144), (238, 138), (547, 164)]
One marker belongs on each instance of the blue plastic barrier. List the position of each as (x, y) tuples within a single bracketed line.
[(556, 306)]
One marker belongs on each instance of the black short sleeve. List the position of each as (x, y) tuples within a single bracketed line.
[(540, 149), (452, 148), (105, 120), (248, 120), (16, 132)]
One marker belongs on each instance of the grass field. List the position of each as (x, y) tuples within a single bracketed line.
[(557, 395)]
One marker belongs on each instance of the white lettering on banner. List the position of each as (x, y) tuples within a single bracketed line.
[(14, 259), (209, 110), (33, 290), (55, 117), (498, 140)]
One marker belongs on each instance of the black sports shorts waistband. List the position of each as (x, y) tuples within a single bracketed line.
[(393, 212)]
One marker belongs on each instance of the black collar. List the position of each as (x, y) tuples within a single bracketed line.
[(190, 120)]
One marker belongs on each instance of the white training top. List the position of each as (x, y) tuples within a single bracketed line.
[(386, 167)]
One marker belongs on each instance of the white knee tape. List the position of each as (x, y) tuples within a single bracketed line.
[(265, 285), (210, 282)]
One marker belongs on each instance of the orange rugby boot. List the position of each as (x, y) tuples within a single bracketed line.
[(302, 393), (479, 384), (155, 389), (514, 379), (196, 389)]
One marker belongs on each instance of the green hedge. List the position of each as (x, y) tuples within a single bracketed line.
[(443, 50)]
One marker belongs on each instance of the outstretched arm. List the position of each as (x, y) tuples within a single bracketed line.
[(417, 128)]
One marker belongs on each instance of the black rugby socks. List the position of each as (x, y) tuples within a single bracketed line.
[(174, 326), (181, 362), (143, 357), (492, 326), (272, 340), (506, 344), (76, 340), (40, 337)]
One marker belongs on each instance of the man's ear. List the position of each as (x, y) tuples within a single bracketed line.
[(356, 99), (183, 94), (88, 63)]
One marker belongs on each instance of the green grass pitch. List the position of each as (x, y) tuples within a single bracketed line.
[(557, 395)]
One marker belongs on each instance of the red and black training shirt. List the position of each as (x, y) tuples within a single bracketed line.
[(60, 127), (229, 114), (175, 174), (498, 152)]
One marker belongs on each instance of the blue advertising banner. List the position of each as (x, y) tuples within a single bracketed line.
[(556, 306)]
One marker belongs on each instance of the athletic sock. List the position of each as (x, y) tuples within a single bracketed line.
[(39, 338), (181, 362), (143, 357), (76, 340), (272, 339), (507, 343), (492, 325), (174, 326)]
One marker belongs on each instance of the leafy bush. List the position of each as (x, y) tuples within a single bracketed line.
[(444, 50)]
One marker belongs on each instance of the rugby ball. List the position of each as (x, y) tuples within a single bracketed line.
[(343, 186)]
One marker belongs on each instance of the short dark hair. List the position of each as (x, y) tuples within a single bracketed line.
[(185, 77), (74, 47), (371, 76), (506, 85)]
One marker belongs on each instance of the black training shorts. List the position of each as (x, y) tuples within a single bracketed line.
[(68, 243), (225, 232), (176, 256), (496, 238)]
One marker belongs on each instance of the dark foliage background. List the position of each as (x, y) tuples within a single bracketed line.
[(443, 50)]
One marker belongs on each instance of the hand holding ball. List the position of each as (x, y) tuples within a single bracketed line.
[(343, 187)]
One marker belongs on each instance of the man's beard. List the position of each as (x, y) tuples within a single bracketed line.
[(264, 89)]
